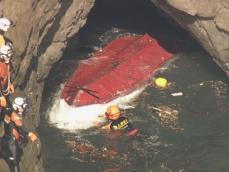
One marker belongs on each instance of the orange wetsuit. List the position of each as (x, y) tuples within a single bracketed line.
[(4, 76)]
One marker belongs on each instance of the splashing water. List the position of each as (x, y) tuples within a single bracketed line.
[(70, 118)]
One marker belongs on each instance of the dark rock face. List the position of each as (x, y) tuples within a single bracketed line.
[(3, 166), (42, 30), (207, 21)]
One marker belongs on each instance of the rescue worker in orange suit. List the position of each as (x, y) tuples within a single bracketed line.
[(6, 52), (6, 87), (118, 122), (5, 24), (16, 135)]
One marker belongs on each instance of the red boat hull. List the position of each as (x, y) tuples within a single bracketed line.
[(124, 65)]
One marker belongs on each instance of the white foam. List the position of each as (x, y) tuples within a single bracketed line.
[(72, 118)]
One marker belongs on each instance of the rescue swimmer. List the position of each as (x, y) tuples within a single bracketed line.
[(118, 122)]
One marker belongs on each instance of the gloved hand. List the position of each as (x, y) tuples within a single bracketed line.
[(7, 119), (32, 136), (106, 127), (11, 88), (3, 102)]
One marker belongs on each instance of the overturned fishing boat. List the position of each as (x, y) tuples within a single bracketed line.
[(121, 67)]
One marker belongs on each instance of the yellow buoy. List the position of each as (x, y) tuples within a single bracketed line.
[(161, 82)]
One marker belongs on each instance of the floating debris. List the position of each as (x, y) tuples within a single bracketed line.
[(177, 94), (168, 116), (84, 151), (116, 169), (220, 90)]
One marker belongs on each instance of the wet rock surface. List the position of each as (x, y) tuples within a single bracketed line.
[(3, 166), (207, 21)]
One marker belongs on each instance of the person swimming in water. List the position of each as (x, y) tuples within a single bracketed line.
[(118, 121)]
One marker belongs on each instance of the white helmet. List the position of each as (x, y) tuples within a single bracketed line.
[(6, 52), (20, 103), (4, 24)]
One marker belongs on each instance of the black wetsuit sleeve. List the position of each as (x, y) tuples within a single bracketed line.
[(5, 111), (8, 111), (23, 131), (130, 126)]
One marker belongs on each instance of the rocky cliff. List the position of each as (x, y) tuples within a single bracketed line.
[(40, 34), (207, 21)]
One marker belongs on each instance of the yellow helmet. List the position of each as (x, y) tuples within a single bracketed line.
[(113, 112), (161, 82)]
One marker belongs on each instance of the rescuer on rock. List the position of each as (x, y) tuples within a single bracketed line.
[(16, 135), (6, 52), (6, 87), (5, 24)]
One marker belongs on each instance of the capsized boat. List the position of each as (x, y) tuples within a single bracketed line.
[(118, 69)]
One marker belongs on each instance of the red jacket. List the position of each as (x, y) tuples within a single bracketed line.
[(3, 75)]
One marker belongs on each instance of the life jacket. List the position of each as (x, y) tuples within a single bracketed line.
[(11, 129), (2, 40), (4, 78), (4, 69), (123, 124)]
